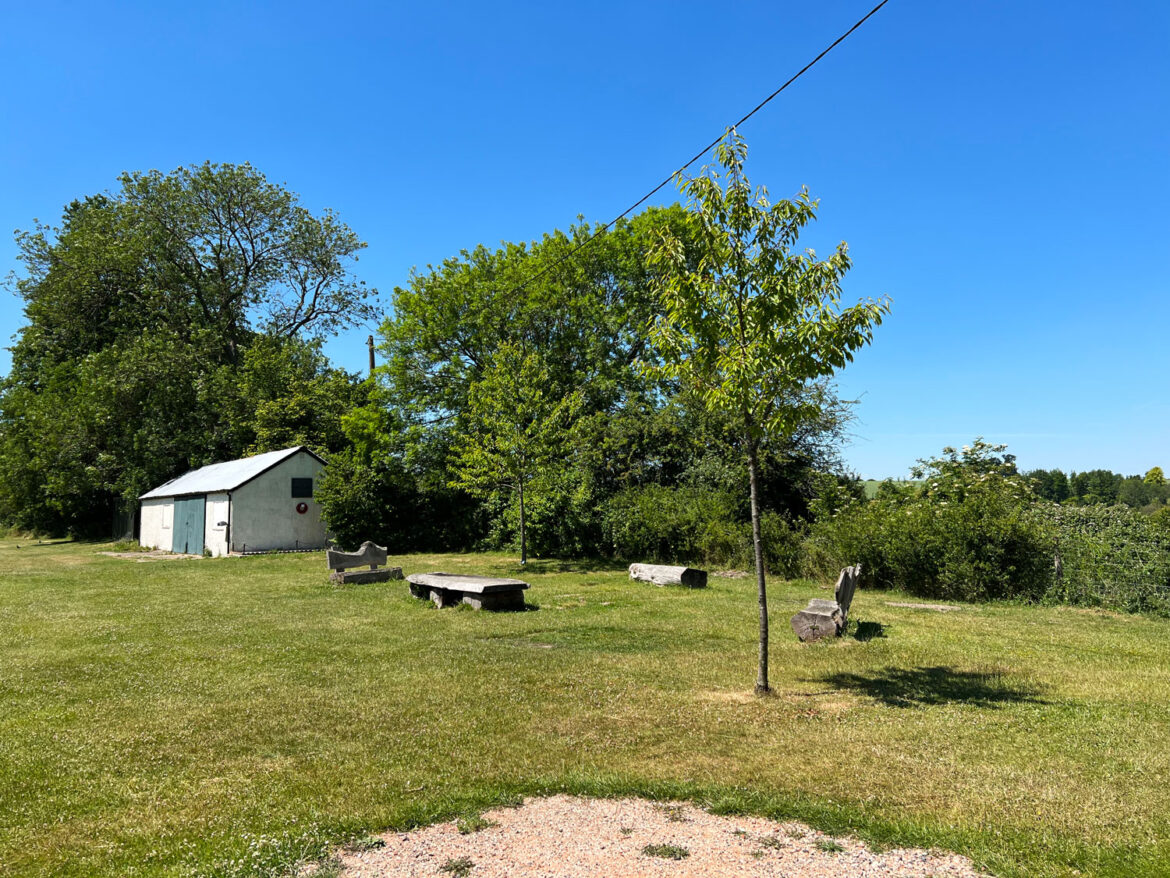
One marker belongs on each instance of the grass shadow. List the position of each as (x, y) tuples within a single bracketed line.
[(938, 685), (867, 631), (579, 565), (19, 543)]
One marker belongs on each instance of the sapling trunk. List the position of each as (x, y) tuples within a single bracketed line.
[(523, 544), (762, 687)]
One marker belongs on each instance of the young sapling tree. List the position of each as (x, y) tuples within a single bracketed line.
[(515, 429), (752, 322)]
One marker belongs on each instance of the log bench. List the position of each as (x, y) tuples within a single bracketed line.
[(823, 617), (661, 574), (481, 592), (370, 555)]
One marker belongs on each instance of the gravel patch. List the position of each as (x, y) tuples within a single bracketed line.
[(564, 837)]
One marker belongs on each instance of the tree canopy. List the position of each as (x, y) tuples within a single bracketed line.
[(171, 324)]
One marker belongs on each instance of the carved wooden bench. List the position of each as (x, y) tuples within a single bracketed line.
[(481, 592), (369, 555), (823, 617)]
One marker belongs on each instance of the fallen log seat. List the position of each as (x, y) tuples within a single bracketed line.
[(371, 555), (481, 592), (823, 617), (661, 574)]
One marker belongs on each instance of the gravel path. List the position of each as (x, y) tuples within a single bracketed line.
[(563, 837)]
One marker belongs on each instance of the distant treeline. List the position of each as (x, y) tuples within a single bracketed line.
[(1101, 487)]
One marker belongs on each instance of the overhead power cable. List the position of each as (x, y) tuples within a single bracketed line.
[(580, 246)]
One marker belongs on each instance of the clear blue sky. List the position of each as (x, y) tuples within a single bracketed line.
[(1000, 168)]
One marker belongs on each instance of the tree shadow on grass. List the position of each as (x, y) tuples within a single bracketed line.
[(933, 686), (536, 566), (867, 631)]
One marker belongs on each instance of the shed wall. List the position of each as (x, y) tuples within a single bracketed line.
[(264, 512), (215, 535), (154, 527)]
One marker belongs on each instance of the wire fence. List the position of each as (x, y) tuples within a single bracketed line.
[(1109, 557)]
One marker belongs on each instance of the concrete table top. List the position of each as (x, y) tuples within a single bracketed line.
[(472, 584)]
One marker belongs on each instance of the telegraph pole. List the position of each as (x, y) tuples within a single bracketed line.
[(370, 344)]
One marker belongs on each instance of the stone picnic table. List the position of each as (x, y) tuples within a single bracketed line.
[(481, 592)]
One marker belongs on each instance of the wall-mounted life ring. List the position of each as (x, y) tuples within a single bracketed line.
[(302, 508)]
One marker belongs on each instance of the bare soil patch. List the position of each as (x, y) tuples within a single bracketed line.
[(938, 608), (155, 555), (605, 838)]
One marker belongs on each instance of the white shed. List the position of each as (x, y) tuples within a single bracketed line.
[(257, 504)]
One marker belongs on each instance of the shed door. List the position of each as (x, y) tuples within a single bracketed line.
[(188, 527)]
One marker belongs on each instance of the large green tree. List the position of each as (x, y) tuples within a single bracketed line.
[(170, 323), (752, 322), (582, 303), (585, 308), (212, 248)]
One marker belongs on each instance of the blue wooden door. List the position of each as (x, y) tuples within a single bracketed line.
[(188, 525)]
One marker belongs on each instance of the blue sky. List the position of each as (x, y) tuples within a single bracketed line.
[(1000, 169)]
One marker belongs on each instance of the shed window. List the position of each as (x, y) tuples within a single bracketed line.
[(302, 487)]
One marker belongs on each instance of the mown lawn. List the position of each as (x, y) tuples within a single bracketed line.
[(222, 717)]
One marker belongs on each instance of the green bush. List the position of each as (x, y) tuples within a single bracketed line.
[(560, 518), (668, 525), (693, 525), (984, 547), (383, 502), (783, 545), (964, 533), (974, 530)]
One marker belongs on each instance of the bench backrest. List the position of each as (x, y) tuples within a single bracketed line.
[(370, 554), (846, 586)]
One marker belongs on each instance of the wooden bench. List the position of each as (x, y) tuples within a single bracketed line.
[(369, 555), (481, 592), (823, 617)]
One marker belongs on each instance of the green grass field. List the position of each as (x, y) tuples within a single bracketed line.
[(871, 486), (223, 717)]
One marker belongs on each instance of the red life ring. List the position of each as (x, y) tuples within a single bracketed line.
[(302, 508)]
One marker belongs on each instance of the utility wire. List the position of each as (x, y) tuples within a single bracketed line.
[(580, 246)]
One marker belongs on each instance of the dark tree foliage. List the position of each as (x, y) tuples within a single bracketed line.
[(1049, 484), (1101, 487)]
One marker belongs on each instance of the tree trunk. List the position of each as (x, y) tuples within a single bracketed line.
[(762, 687), (523, 544)]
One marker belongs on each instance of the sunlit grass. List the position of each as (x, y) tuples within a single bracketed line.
[(229, 716)]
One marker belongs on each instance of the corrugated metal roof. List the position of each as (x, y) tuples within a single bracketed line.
[(222, 476)]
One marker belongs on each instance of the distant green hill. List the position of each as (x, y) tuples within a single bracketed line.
[(871, 485)]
